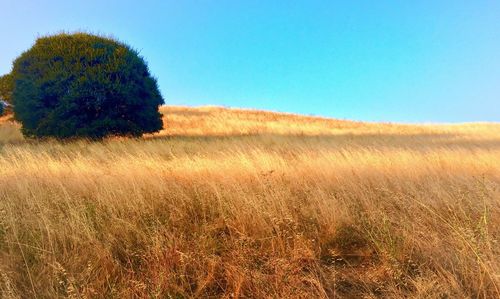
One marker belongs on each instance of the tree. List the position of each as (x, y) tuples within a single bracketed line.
[(83, 85), (6, 87)]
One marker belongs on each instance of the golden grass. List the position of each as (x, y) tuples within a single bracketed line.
[(235, 203)]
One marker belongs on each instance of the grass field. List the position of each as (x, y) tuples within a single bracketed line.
[(250, 204)]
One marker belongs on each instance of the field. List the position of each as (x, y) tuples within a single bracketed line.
[(240, 203)]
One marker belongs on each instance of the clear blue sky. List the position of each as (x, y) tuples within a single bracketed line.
[(399, 61)]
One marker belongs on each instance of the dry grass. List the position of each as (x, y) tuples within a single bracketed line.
[(234, 203)]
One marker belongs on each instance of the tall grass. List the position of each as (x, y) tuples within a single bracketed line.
[(380, 210)]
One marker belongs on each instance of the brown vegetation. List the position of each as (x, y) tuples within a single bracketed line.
[(236, 203)]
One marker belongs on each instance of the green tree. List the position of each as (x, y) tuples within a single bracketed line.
[(83, 85), (6, 87)]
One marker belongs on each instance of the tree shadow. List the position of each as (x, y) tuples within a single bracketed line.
[(423, 141)]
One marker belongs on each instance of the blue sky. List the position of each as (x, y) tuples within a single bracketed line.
[(395, 61)]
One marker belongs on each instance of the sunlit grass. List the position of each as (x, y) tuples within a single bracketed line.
[(234, 203)]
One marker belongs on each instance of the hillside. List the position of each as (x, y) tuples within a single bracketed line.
[(212, 120), (241, 203), (220, 121)]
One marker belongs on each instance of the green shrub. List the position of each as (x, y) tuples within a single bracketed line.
[(82, 85)]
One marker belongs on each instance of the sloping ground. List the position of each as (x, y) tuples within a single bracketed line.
[(237, 203), (212, 120), (219, 121)]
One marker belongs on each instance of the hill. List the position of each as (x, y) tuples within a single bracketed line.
[(220, 121), (244, 203)]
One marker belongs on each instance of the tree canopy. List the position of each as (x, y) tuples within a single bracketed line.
[(83, 85)]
